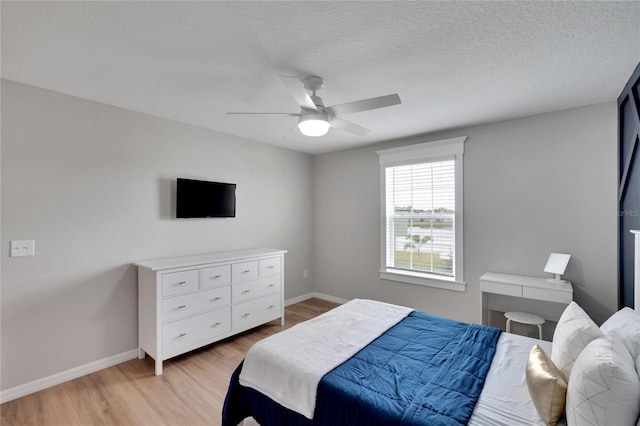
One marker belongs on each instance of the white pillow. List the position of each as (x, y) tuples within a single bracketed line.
[(625, 325), (575, 330), (604, 388), (638, 371)]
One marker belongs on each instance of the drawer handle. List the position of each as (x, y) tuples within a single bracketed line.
[(216, 324), (246, 270), (246, 315), (271, 306), (216, 277), (182, 334), (182, 306), (271, 285), (246, 291), (216, 298), (270, 267), (182, 283)]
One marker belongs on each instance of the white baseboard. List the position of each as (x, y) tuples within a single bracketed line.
[(65, 376), (312, 295), (92, 367)]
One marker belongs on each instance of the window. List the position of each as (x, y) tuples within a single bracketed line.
[(421, 214)]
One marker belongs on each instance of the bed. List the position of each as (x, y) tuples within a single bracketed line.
[(372, 363)]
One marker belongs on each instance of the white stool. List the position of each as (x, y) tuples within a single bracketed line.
[(524, 318)]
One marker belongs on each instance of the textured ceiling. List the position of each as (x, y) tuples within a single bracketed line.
[(452, 63)]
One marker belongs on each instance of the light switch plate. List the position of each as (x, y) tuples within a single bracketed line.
[(23, 248)]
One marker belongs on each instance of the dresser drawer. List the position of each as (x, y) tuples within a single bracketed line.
[(245, 271), (215, 276), (189, 331), (255, 312), (193, 303), (180, 282), (253, 289), (269, 266)]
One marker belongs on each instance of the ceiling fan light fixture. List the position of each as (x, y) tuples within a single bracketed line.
[(314, 124)]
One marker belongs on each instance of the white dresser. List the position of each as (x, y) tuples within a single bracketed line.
[(188, 302)]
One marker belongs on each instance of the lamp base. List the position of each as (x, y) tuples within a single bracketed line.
[(556, 280)]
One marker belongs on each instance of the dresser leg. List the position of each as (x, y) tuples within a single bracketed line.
[(282, 321), (158, 368), (141, 353)]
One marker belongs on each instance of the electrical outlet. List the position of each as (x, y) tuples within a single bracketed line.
[(23, 248), (305, 274)]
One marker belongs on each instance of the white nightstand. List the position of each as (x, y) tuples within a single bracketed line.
[(506, 292)]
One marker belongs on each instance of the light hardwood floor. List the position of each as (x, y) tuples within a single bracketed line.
[(191, 390)]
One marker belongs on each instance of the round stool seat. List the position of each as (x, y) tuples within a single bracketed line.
[(524, 318)]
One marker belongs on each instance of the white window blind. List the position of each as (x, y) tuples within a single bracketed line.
[(420, 215)]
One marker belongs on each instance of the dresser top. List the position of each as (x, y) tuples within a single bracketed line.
[(203, 259)]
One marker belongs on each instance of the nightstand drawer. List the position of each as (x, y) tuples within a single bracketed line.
[(215, 276), (189, 331), (550, 295), (253, 289), (245, 271), (269, 267), (182, 306), (180, 282), (501, 288)]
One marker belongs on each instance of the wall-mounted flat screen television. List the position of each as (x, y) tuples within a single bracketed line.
[(199, 198)]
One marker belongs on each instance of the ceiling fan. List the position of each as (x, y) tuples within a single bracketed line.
[(314, 118)]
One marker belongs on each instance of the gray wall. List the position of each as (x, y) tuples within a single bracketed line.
[(94, 186), (531, 186)]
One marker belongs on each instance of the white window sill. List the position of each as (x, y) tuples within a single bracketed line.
[(428, 280)]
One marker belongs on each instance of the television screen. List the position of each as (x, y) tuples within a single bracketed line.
[(198, 198)]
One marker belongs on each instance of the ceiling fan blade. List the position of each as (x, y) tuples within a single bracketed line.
[(364, 105), (347, 126), (298, 91), (264, 113), (293, 129)]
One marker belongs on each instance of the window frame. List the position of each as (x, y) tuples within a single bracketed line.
[(422, 153)]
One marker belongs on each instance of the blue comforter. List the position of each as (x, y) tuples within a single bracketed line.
[(425, 370)]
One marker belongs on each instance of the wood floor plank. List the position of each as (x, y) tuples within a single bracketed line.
[(191, 390)]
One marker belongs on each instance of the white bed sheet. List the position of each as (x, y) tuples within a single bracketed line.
[(505, 399)]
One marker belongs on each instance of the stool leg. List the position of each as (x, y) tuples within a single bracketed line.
[(540, 331), (508, 326)]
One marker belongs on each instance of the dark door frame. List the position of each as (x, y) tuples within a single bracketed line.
[(628, 184)]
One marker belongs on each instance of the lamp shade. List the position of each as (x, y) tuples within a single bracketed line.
[(314, 124)]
